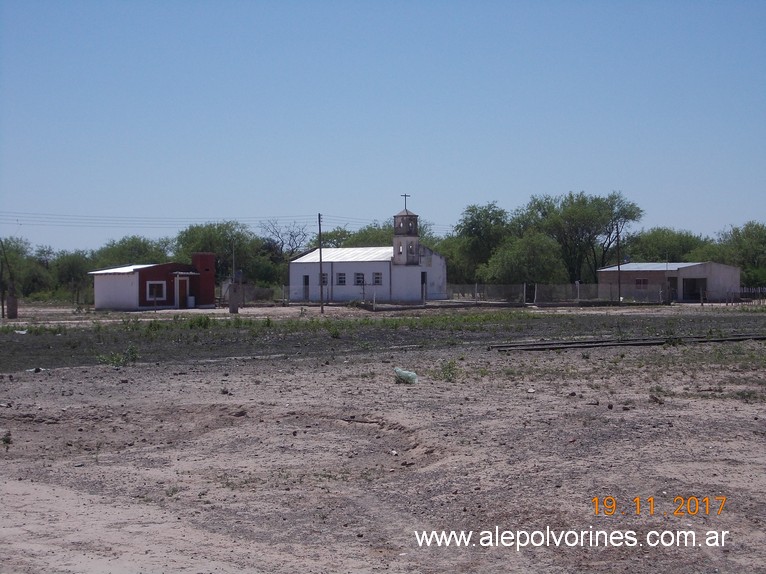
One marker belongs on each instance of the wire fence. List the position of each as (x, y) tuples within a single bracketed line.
[(525, 293), (594, 293)]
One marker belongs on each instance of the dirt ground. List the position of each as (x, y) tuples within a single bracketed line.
[(282, 461)]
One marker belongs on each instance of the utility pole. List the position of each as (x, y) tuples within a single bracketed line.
[(10, 308), (619, 279), (321, 275)]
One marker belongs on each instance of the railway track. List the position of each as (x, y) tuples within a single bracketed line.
[(634, 342)]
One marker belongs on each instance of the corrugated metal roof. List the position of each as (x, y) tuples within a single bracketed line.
[(649, 266), (122, 270), (340, 254)]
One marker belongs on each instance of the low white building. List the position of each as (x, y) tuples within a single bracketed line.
[(706, 281), (405, 271)]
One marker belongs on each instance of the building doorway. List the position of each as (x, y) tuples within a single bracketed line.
[(182, 292), (695, 289)]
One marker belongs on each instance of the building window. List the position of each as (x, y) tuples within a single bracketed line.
[(324, 278), (155, 291), (358, 278), (377, 278), (642, 284), (410, 247), (340, 279)]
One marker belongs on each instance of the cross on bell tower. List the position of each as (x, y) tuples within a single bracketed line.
[(406, 237)]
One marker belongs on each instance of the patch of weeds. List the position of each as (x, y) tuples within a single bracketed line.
[(131, 324), (7, 440), (749, 395), (365, 346), (449, 371), (153, 326), (130, 355), (328, 475), (171, 491), (334, 332), (660, 391), (200, 322)]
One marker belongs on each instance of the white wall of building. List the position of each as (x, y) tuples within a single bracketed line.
[(118, 291), (407, 279), (722, 281), (335, 292), (399, 283)]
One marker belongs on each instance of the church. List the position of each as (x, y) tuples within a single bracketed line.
[(404, 272)]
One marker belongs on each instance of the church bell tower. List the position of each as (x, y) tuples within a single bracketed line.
[(406, 237)]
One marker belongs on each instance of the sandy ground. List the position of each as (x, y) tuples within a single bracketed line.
[(325, 464)]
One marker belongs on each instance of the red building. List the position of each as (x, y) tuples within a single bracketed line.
[(157, 286)]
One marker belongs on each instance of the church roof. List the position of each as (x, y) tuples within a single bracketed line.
[(406, 212), (341, 254)]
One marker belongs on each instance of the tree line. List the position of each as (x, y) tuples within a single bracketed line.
[(551, 239)]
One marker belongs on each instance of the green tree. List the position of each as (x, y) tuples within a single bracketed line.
[(132, 250), (663, 244), (584, 226), (23, 273), (484, 228), (71, 269), (533, 258), (336, 237), (231, 241), (461, 269), (376, 234), (621, 213), (745, 247), (237, 248)]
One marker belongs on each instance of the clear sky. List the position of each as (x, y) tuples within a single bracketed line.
[(141, 117)]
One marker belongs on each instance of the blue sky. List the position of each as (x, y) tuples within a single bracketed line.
[(141, 117)]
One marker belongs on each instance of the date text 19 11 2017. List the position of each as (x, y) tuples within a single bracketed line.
[(682, 506)]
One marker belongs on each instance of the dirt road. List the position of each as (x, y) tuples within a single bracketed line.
[(321, 462)]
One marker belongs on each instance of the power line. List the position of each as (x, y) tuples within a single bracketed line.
[(26, 218)]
